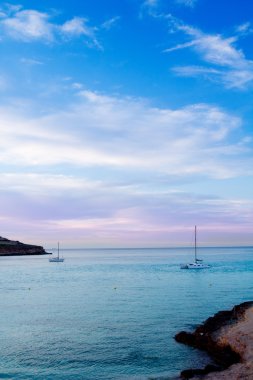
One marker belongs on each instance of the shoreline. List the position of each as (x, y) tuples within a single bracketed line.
[(227, 337)]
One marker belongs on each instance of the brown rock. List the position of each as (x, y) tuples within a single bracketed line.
[(208, 337)]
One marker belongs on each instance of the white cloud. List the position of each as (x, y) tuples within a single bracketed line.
[(119, 133), (220, 51), (228, 62), (31, 25), (79, 27)]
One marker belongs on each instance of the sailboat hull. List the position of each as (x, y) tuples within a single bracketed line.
[(195, 266), (56, 260)]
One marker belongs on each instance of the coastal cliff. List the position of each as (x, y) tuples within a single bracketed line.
[(16, 248), (228, 338)]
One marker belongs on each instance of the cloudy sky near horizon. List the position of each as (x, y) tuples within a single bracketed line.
[(125, 123)]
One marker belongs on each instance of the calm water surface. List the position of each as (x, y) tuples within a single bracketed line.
[(112, 314)]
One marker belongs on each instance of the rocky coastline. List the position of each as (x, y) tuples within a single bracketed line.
[(16, 248), (228, 338)]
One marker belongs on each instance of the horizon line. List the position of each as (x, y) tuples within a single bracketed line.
[(169, 247)]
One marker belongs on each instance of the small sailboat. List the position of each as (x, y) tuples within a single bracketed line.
[(57, 259), (198, 263)]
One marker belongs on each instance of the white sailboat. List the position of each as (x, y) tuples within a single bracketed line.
[(57, 259), (198, 263)]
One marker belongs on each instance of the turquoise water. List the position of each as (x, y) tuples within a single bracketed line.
[(112, 314)]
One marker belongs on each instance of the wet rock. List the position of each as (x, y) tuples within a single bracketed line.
[(190, 373)]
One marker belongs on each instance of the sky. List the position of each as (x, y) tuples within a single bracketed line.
[(126, 123)]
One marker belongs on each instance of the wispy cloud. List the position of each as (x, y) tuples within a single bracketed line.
[(103, 124), (108, 24), (195, 71), (31, 61), (150, 3), (187, 3), (31, 25), (244, 29), (152, 7), (180, 46), (79, 27), (228, 62), (107, 216), (149, 7), (2, 14)]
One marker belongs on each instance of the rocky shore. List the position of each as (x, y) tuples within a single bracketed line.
[(228, 338), (16, 248)]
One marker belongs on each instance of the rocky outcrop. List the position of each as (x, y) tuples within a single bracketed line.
[(16, 248), (213, 337)]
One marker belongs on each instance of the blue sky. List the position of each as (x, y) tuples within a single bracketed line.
[(125, 123)]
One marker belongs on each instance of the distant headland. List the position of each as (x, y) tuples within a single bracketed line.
[(16, 248)]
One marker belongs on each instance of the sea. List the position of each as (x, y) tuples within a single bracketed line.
[(112, 314)]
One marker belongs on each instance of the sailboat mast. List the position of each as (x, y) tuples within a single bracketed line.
[(58, 250), (195, 245)]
